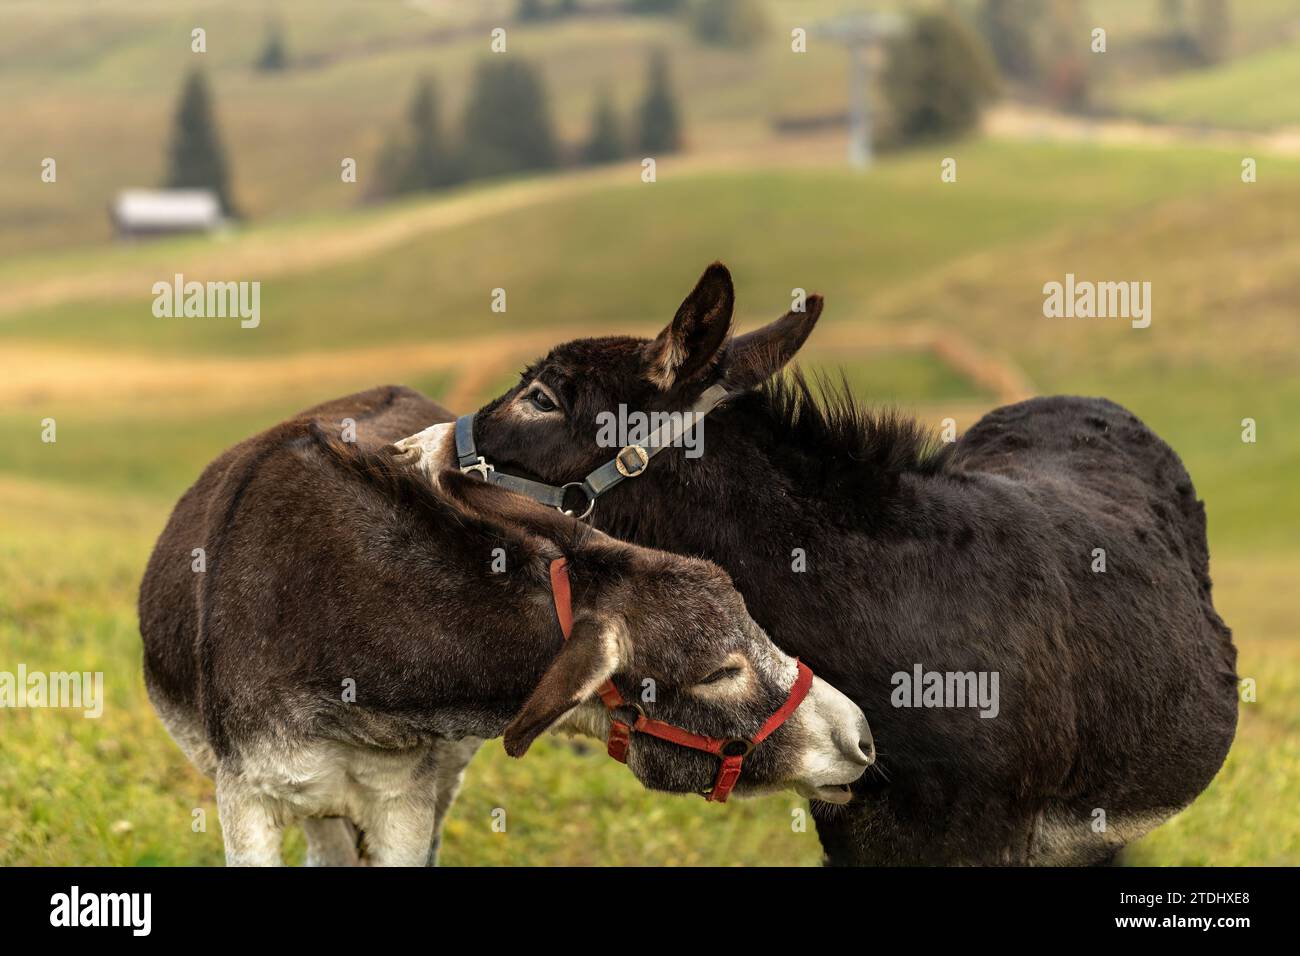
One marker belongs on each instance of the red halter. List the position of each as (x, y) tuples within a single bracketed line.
[(731, 750)]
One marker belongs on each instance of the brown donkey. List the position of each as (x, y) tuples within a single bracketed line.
[(355, 631)]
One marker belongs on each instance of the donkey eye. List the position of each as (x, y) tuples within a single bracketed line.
[(541, 401), (722, 673)]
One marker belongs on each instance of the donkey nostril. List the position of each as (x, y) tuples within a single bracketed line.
[(859, 752), (867, 742)]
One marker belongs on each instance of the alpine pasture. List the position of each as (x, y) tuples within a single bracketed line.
[(934, 303)]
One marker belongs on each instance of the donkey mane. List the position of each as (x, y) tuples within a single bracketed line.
[(849, 444)]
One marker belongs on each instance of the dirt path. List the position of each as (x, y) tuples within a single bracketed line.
[(1016, 121), (40, 373), (287, 249), (43, 374), (280, 250)]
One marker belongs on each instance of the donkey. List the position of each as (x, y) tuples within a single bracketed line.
[(348, 646), (965, 565)]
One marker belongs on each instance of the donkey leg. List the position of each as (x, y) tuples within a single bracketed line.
[(249, 827), (331, 841), (453, 757), (399, 830)]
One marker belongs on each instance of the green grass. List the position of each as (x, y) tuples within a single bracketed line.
[(116, 791), (1247, 817), (578, 261), (143, 452), (1254, 92), (903, 378), (95, 89), (97, 92), (897, 248)]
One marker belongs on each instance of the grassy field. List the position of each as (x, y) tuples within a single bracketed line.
[(95, 89), (143, 403), (851, 237), (1254, 92)]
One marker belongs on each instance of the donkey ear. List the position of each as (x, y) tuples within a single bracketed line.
[(589, 658), (692, 342), (756, 356)]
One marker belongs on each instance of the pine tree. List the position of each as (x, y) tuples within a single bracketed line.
[(196, 159), (416, 156), (507, 120), (660, 127), (392, 168), (428, 162), (605, 144), (274, 57)]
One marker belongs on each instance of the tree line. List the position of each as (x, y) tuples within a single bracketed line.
[(940, 73), (507, 128)]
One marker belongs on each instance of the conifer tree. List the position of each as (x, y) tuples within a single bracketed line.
[(605, 142), (660, 130), (196, 158), (274, 56), (429, 163), (507, 120)]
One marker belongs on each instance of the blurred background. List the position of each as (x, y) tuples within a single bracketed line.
[(381, 167)]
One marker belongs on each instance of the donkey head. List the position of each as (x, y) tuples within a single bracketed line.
[(546, 427), (673, 636)]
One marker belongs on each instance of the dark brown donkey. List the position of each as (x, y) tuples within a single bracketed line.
[(352, 631), (1024, 615)]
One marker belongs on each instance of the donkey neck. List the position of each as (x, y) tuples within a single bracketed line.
[(788, 520)]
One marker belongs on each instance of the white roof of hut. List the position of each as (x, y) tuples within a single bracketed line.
[(166, 209)]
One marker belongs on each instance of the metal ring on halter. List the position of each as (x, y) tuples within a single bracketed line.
[(591, 499), (736, 747), (638, 712)]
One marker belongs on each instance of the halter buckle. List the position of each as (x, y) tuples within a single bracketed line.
[(642, 460), (481, 466)]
